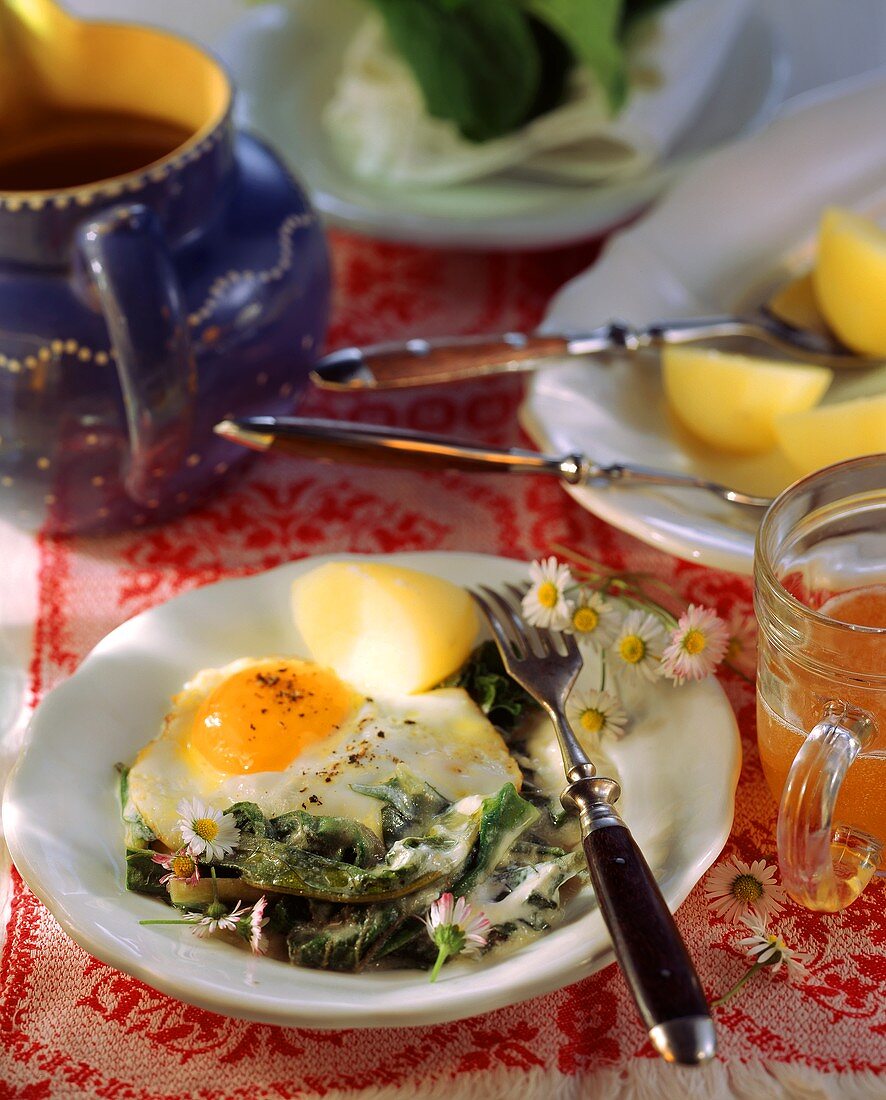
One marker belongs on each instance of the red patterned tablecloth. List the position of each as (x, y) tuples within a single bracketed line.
[(71, 1026)]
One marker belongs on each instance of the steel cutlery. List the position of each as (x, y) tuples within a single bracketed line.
[(369, 444), (420, 362), (648, 945)]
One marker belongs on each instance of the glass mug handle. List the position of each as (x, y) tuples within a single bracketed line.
[(823, 868)]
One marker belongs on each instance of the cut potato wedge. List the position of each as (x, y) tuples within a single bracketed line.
[(850, 280), (383, 628), (832, 433), (796, 303), (731, 401)]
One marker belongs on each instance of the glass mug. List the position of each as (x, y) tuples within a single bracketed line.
[(820, 599)]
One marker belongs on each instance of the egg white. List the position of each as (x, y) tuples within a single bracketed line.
[(441, 736)]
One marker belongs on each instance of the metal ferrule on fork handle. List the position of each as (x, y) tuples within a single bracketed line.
[(593, 798)]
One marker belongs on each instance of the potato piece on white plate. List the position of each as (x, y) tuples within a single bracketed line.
[(795, 302), (832, 433), (850, 279), (383, 628), (731, 401)]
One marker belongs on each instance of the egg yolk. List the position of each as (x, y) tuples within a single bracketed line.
[(261, 718)]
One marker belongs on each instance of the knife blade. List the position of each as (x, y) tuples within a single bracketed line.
[(374, 445)]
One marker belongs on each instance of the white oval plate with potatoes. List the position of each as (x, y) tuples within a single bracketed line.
[(733, 228), (679, 767)]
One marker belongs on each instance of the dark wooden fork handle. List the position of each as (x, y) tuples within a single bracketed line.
[(651, 952)]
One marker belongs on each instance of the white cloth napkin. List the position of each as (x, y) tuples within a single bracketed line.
[(381, 132)]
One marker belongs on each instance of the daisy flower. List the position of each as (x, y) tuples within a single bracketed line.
[(769, 949), (639, 643), (741, 648), (454, 926), (545, 604), (206, 832), (734, 888), (598, 713), (251, 924), (696, 647), (181, 865), (594, 619), (216, 918)]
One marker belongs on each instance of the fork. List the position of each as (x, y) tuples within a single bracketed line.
[(648, 946)]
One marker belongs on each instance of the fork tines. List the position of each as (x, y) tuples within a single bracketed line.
[(528, 652)]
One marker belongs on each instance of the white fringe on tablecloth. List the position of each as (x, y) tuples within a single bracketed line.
[(643, 1079)]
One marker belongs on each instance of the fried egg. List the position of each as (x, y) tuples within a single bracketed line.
[(292, 735)]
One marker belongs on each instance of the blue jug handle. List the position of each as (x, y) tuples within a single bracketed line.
[(128, 262)]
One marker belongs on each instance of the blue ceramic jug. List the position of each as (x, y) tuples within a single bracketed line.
[(158, 272)]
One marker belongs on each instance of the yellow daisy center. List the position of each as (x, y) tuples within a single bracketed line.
[(206, 828), (694, 642), (592, 720), (632, 649), (747, 888), (548, 594), (585, 620), (183, 866)]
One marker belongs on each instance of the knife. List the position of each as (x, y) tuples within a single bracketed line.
[(372, 445)]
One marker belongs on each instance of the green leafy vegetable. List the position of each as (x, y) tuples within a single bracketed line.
[(408, 865), (410, 804), (591, 29), (336, 838), (476, 61), (503, 818), (342, 898), (526, 894), (491, 66), (484, 678), (142, 873), (352, 939), (137, 833)]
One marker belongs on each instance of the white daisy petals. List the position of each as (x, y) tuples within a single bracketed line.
[(546, 604), (597, 713), (735, 888), (206, 832), (769, 949), (639, 644), (696, 647)]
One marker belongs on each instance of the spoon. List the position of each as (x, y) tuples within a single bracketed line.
[(788, 322), (371, 445)]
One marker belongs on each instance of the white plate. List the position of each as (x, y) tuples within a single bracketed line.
[(727, 229), (285, 64), (679, 767)]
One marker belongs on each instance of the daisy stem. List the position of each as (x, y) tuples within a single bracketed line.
[(602, 671), (730, 993), (165, 922), (442, 956), (214, 886)]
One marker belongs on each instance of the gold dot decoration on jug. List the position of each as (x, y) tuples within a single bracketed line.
[(54, 349), (102, 357), (15, 202), (288, 227)]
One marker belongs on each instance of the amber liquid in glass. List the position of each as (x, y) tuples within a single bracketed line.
[(862, 800)]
